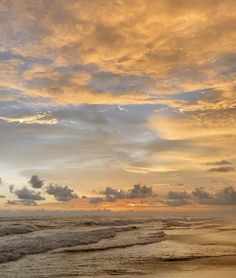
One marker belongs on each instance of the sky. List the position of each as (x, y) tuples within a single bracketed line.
[(121, 104)]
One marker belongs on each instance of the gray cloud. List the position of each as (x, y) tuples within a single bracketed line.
[(177, 198), (0, 180), (25, 202), (139, 191), (2, 196), (61, 193), (226, 196), (11, 188), (35, 182), (96, 200), (222, 169), (27, 194), (76, 136), (111, 194), (202, 196), (220, 162), (180, 184), (107, 82)]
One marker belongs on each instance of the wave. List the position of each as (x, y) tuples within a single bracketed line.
[(120, 222), (155, 238), (17, 247), (13, 230), (190, 258), (170, 222)]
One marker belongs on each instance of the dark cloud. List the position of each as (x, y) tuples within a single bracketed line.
[(61, 193), (96, 200), (226, 196), (202, 196), (111, 194), (180, 184), (110, 198), (177, 198), (139, 191), (27, 194), (36, 182), (220, 162), (2, 196), (0, 180), (11, 188), (26, 202), (222, 169), (177, 195)]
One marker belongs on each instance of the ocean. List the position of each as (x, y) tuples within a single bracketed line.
[(83, 246)]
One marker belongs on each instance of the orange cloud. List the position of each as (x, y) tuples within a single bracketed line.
[(182, 47)]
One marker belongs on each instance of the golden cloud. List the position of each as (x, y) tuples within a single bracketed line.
[(41, 118), (182, 46)]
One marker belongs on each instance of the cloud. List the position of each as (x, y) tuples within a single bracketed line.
[(0, 181), (62, 74), (25, 202), (222, 169), (42, 118), (112, 195), (140, 191), (2, 196), (11, 188), (209, 123), (61, 193), (96, 200), (128, 50), (36, 182), (202, 196), (190, 140), (220, 162), (177, 198), (227, 196), (199, 196), (27, 194)]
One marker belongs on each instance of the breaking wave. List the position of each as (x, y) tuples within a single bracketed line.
[(14, 230), (158, 237), (14, 248)]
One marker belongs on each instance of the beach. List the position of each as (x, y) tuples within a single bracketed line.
[(124, 247)]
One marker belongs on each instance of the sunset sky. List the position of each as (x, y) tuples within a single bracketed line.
[(97, 94)]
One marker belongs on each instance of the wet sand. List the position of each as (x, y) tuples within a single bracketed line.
[(214, 267)]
